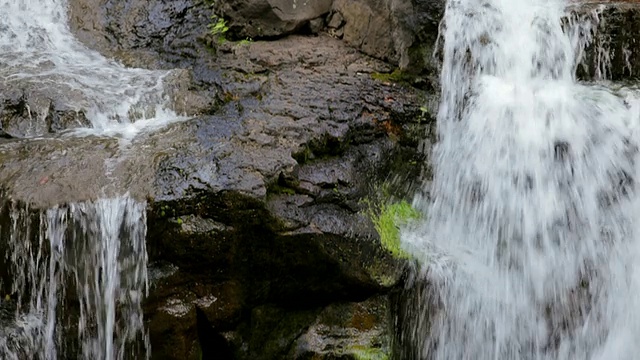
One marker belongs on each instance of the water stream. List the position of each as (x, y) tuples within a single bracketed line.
[(77, 273), (38, 50), (530, 242), (74, 275)]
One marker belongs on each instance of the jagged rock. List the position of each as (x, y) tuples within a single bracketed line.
[(142, 33), (353, 331)]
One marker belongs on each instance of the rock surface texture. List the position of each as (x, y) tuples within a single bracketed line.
[(258, 203), (257, 207)]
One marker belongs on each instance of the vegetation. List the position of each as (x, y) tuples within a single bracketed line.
[(362, 353), (218, 28), (388, 218), (397, 76)]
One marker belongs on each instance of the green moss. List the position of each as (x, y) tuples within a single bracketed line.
[(388, 220), (363, 353), (397, 76), (278, 189)]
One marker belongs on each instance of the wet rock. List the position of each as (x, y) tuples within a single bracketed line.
[(270, 18), (258, 204), (346, 330), (360, 330), (28, 112), (138, 30), (185, 99), (403, 32), (612, 52)]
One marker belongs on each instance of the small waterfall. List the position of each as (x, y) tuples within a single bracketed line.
[(37, 50), (530, 248), (74, 275), (98, 250)]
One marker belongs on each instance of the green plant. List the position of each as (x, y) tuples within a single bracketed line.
[(218, 28), (388, 219), (246, 41), (363, 353)]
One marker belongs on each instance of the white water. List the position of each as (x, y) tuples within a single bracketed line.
[(98, 249), (531, 245), (37, 49)]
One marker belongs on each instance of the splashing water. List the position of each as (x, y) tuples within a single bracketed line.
[(98, 248), (530, 246), (37, 50)]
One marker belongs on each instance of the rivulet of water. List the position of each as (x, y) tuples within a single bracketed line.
[(530, 247), (78, 275), (37, 50)]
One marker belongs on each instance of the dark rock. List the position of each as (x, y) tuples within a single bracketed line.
[(270, 18), (30, 112), (256, 203), (214, 346), (612, 52), (142, 33), (259, 203), (403, 32), (361, 330)]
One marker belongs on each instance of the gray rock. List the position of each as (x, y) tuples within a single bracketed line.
[(259, 202), (28, 110), (142, 33), (403, 32)]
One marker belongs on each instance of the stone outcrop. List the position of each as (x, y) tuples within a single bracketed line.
[(402, 32), (255, 210)]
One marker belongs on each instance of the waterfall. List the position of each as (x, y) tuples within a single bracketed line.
[(73, 277), (529, 248), (98, 250), (38, 50)]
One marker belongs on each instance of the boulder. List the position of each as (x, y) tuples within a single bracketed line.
[(139, 32), (28, 110), (403, 32), (270, 18)]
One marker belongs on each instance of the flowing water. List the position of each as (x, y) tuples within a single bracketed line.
[(37, 50), (94, 250), (76, 273), (531, 245)]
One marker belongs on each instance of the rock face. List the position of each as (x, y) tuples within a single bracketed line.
[(30, 112), (402, 32), (271, 18), (612, 53), (137, 31), (255, 208)]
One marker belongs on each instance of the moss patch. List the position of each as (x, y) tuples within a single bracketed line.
[(388, 220), (397, 76), (362, 353)]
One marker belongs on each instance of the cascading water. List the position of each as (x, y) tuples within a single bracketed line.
[(530, 250), (38, 49), (77, 272), (99, 247)]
